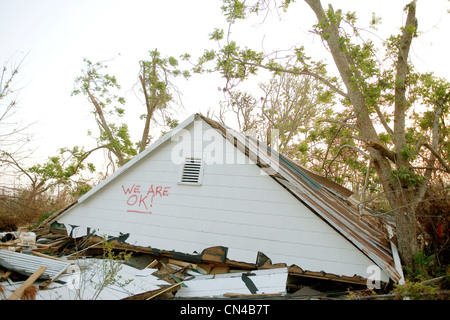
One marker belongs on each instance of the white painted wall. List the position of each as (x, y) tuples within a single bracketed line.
[(237, 206)]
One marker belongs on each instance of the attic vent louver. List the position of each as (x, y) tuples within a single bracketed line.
[(192, 171)]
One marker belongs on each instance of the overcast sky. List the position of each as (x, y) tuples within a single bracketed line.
[(56, 35)]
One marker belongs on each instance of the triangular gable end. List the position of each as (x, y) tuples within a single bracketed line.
[(234, 206)]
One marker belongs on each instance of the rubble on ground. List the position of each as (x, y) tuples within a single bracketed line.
[(59, 267)]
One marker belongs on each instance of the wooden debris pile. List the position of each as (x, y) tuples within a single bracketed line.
[(49, 269)]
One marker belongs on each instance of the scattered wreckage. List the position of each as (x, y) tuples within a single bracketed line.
[(36, 270), (64, 268)]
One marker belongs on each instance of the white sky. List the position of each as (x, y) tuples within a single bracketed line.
[(58, 34)]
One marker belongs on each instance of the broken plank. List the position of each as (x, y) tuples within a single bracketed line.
[(182, 263), (39, 254), (264, 262), (240, 265), (188, 265), (201, 270), (6, 275), (219, 269), (171, 273), (157, 294), (169, 289), (18, 293), (153, 264), (206, 267), (51, 246), (215, 254), (9, 243), (98, 243)]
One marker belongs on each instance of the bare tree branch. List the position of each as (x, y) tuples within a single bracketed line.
[(383, 121), (438, 156), (343, 124), (303, 72)]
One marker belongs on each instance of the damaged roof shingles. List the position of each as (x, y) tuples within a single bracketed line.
[(326, 199)]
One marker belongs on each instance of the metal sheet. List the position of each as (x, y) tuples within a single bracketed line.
[(27, 264)]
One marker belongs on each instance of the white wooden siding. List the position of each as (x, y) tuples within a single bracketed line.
[(237, 206)]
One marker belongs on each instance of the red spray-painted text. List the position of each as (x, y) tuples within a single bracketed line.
[(141, 200)]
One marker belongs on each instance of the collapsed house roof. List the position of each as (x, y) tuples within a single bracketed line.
[(325, 199)]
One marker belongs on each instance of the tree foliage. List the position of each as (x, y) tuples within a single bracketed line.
[(156, 80), (63, 175), (382, 100), (100, 88)]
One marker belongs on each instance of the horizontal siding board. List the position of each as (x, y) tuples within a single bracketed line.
[(174, 232), (204, 194), (189, 240), (220, 209), (246, 182), (248, 219), (146, 178), (292, 232)]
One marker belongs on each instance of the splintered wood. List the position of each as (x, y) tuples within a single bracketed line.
[(18, 293)]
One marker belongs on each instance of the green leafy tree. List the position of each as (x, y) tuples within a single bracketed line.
[(375, 94), (47, 186), (100, 88), (64, 170), (156, 82)]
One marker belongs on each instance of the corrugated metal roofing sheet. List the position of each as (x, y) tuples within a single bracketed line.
[(326, 200), (27, 264)]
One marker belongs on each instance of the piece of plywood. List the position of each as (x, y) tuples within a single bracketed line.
[(215, 254), (183, 263), (18, 293), (153, 264), (219, 269), (49, 257)]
